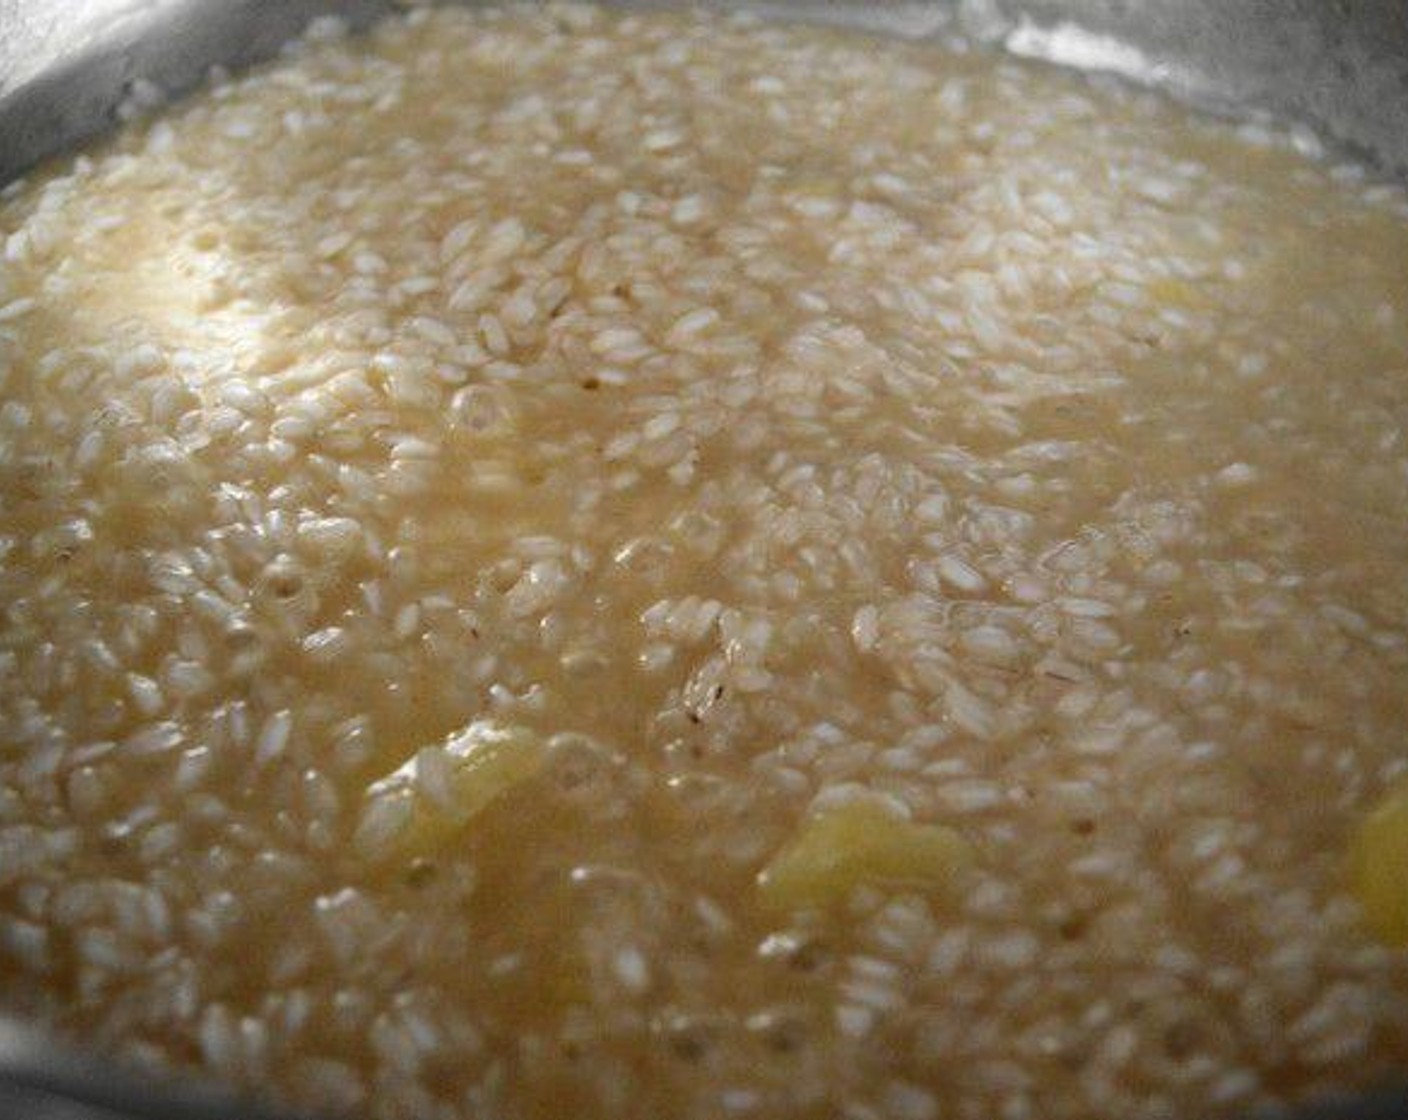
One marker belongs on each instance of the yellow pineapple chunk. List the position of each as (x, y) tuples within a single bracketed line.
[(839, 848), (428, 800), (1172, 292), (1379, 868)]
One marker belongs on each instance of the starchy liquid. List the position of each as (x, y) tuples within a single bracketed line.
[(567, 564)]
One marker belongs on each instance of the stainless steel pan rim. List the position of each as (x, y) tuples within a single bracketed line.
[(1338, 68)]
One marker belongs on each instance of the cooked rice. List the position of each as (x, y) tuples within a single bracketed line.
[(769, 420)]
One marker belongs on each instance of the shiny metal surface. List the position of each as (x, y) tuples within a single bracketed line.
[(66, 65), (1339, 67), (39, 1081)]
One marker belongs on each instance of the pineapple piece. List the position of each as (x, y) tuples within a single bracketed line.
[(1379, 868), (425, 802), (1172, 292), (863, 841)]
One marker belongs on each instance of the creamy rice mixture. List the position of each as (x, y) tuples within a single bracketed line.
[(566, 565)]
